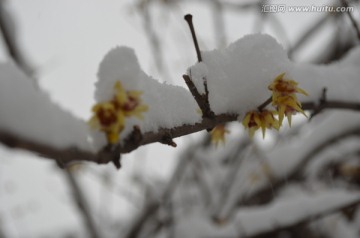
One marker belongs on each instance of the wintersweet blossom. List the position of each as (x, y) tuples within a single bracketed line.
[(218, 134), (287, 106), (264, 119), (283, 86), (284, 97), (109, 116)]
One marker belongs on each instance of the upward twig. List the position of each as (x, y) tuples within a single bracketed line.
[(201, 99), (188, 19)]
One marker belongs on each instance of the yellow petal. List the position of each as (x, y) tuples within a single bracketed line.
[(263, 130), (246, 120), (252, 131), (257, 119), (280, 76), (281, 113), (112, 137), (120, 93), (218, 134), (302, 91), (289, 118), (94, 122), (135, 94)]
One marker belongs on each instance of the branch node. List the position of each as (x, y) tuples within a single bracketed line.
[(117, 161), (60, 164), (200, 99), (167, 140)]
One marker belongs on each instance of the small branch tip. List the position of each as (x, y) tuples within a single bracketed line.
[(188, 17), (167, 140)]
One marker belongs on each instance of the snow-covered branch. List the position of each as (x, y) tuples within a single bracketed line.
[(234, 85)]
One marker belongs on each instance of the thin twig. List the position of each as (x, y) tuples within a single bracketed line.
[(82, 205), (10, 41), (153, 206), (201, 100), (264, 104), (188, 19)]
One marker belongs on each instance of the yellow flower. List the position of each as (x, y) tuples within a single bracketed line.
[(109, 120), (287, 106), (284, 97), (129, 102), (218, 134), (285, 86), (265, 119), (109, 116)]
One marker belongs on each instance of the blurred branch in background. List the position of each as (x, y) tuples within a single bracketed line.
[(352, 19), (81, 203), (8, 32), (235, 196)]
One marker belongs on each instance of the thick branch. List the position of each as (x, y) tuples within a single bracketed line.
[(64, 156)]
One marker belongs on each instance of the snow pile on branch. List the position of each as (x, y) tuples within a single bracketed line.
[(238, 76), (237, 79), (169, 105), (29, 113)]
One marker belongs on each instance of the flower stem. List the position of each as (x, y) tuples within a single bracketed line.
[(264, 104)]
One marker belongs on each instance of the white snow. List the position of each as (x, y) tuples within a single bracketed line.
[(281, 213), (29, 112), (289, 153), (239, 75), (169, 105), (287, 212)]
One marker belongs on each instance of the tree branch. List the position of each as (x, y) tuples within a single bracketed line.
[(188, 19), (106, 155), (201, 100), (153, 206)]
